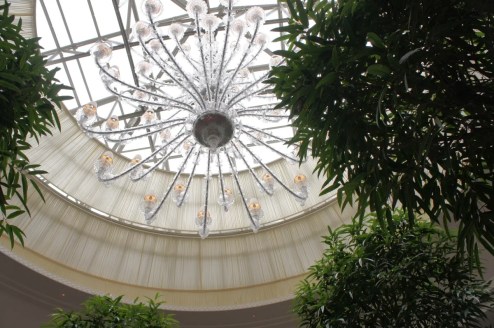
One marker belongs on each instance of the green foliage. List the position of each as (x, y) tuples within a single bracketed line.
[(106, 312), (28, 95), (406, 276), (396, 100)]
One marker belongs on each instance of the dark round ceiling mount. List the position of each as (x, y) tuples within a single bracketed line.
[(213, 129)]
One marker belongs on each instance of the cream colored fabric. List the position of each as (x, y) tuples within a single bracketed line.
[(24, 9), (194, 273)]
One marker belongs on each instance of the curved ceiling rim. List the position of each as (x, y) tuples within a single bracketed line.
[(189, 233), (26, 259), (255, 292)]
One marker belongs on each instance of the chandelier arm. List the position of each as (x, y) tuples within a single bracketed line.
[(243, 92), (256, 109), (189, 60), (178, 68), (101, 120), (206, 196), (134, 128), (246, 65), (163, 84), (232, 77), (266, 133), (189, 179), (172, 58), (222, 183), (247, 95), (244, 201), (223, 54), (264, 115), (270, 193), (133, 87), (148, 133), (210, 61), (233, 50), (117, 176), (161, 160), (268, 146), (231, 103), (146, 102), (273, 136), (269, 170), (170, 187), (198, 31)]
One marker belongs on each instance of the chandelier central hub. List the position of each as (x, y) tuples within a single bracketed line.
[(213, 129)]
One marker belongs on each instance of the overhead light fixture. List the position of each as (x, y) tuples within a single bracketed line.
[(200, 95)]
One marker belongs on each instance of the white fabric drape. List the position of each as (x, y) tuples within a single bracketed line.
[(24, 9), (190, 270)]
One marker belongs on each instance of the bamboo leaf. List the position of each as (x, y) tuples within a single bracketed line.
[(378, 70), (375, 40)]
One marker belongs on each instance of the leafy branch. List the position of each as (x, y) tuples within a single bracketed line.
[(396, 101), (106, 311), (28, 98), (408, 276)]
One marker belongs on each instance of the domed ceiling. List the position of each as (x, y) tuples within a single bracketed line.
[(95, 237)]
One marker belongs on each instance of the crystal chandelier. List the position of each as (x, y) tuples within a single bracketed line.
[(198, 95)]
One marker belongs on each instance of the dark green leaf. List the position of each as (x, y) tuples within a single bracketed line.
[(375, 40), (378, 69)]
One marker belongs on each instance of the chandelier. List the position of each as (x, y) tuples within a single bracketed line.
[(199, 94)]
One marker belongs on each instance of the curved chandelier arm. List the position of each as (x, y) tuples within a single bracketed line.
[(197, 96), (270, 172), (270, 193), (149, 133), (254, 57), (223, 53), (170, 187), (244, 201), (265, 133), (246, 52), (255, 109), (235, 47), (231, 102), (126, 171), (164, 158), (163, 84), (268, 146), (206, 196), (222, 182), (189, 179), (134, 128), (146, 102), (187, 58), (135, 88), (161, 64), (243, 94), (203, 59), (264, 115)]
